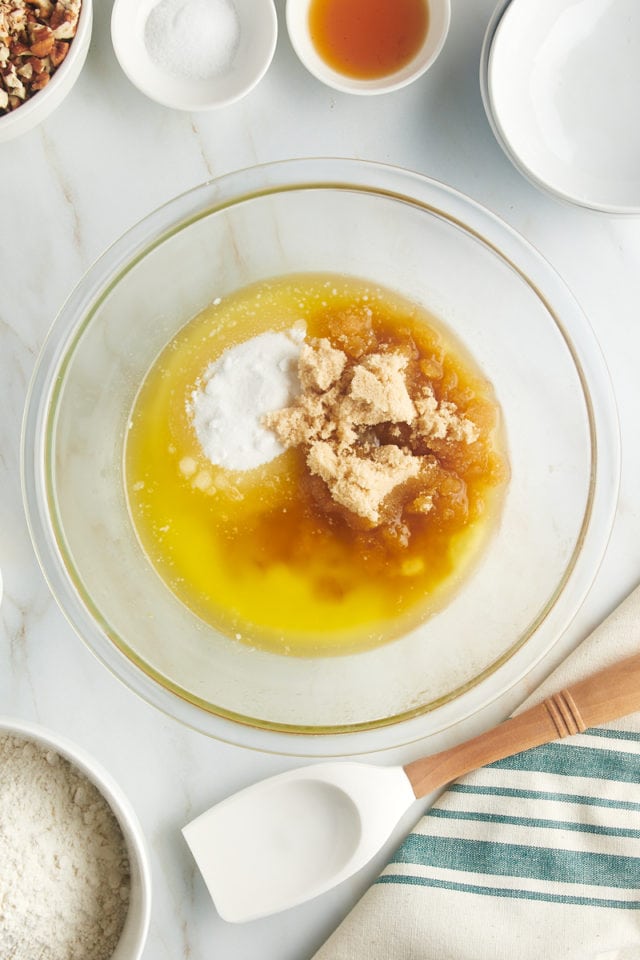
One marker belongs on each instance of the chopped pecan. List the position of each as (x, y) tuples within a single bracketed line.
[(59, 52), (35, 36), (42, 40), (39, 82), (16, 20), (14, 84), (19, 49), (63, 21), (36, 65), (45, 7)]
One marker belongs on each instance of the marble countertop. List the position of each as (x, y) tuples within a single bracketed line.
[(109, 156)]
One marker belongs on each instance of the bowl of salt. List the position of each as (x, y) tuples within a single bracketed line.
[(194, 55)]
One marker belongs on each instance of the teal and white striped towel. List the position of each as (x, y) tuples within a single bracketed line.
[(533, 858)]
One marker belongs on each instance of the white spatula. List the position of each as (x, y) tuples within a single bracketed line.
[(296, 835)]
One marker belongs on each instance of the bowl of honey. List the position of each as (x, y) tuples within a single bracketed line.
[(368, 46), (320, 457)]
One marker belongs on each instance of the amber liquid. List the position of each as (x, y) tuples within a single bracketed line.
[(366, 39), (262, 555)]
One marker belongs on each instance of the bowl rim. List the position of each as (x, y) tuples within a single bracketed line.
[(486, 58), (34, 110), (392, 182), (112, 793)]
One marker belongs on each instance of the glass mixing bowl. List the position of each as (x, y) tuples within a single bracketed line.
[(431, 244)]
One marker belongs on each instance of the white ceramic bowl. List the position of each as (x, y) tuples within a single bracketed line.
[(300, 36), (134, 933), (258, 35), (42, 104), (559, 83)]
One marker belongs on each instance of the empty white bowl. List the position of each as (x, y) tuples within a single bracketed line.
[(136, 926), (560, 83), (34, 110), (439, 12), (258, 32)]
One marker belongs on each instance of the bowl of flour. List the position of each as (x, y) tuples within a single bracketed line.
[(74, 873)]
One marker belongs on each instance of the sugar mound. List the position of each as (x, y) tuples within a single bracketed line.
[(249, 380)]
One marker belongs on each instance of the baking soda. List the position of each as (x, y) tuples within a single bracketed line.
[(249, 380), (193, 39)]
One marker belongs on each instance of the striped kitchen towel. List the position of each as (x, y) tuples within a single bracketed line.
[(536, 857)]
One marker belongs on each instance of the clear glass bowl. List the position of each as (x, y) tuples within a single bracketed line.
[(502, 300)]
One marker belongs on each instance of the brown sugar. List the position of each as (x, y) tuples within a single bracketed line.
[(344, 400), (439, 420), (320, 365), (361, 482), (378, 391)]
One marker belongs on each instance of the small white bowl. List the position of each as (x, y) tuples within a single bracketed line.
[(560, 83), (136, 927), (258, 35), (34, 110), (300, 36)]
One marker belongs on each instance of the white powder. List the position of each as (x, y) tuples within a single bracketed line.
[(249, 380), (193, 39), (64, 872)]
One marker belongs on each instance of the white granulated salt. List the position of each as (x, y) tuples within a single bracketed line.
[(64, 871), (193, 39), (248, 381)]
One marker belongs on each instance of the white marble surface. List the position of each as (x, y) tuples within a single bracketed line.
[(69, 188)]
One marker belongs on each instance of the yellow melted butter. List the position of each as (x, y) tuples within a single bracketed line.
[(244, 550)]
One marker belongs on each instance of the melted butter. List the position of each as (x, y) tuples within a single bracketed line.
[(257, 554)]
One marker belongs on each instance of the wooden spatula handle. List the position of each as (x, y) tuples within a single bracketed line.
[(606, 695)]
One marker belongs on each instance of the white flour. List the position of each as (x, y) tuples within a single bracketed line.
[(249, 380), (64, 872)]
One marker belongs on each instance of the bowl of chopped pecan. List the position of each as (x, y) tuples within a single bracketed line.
[(43, 47)]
